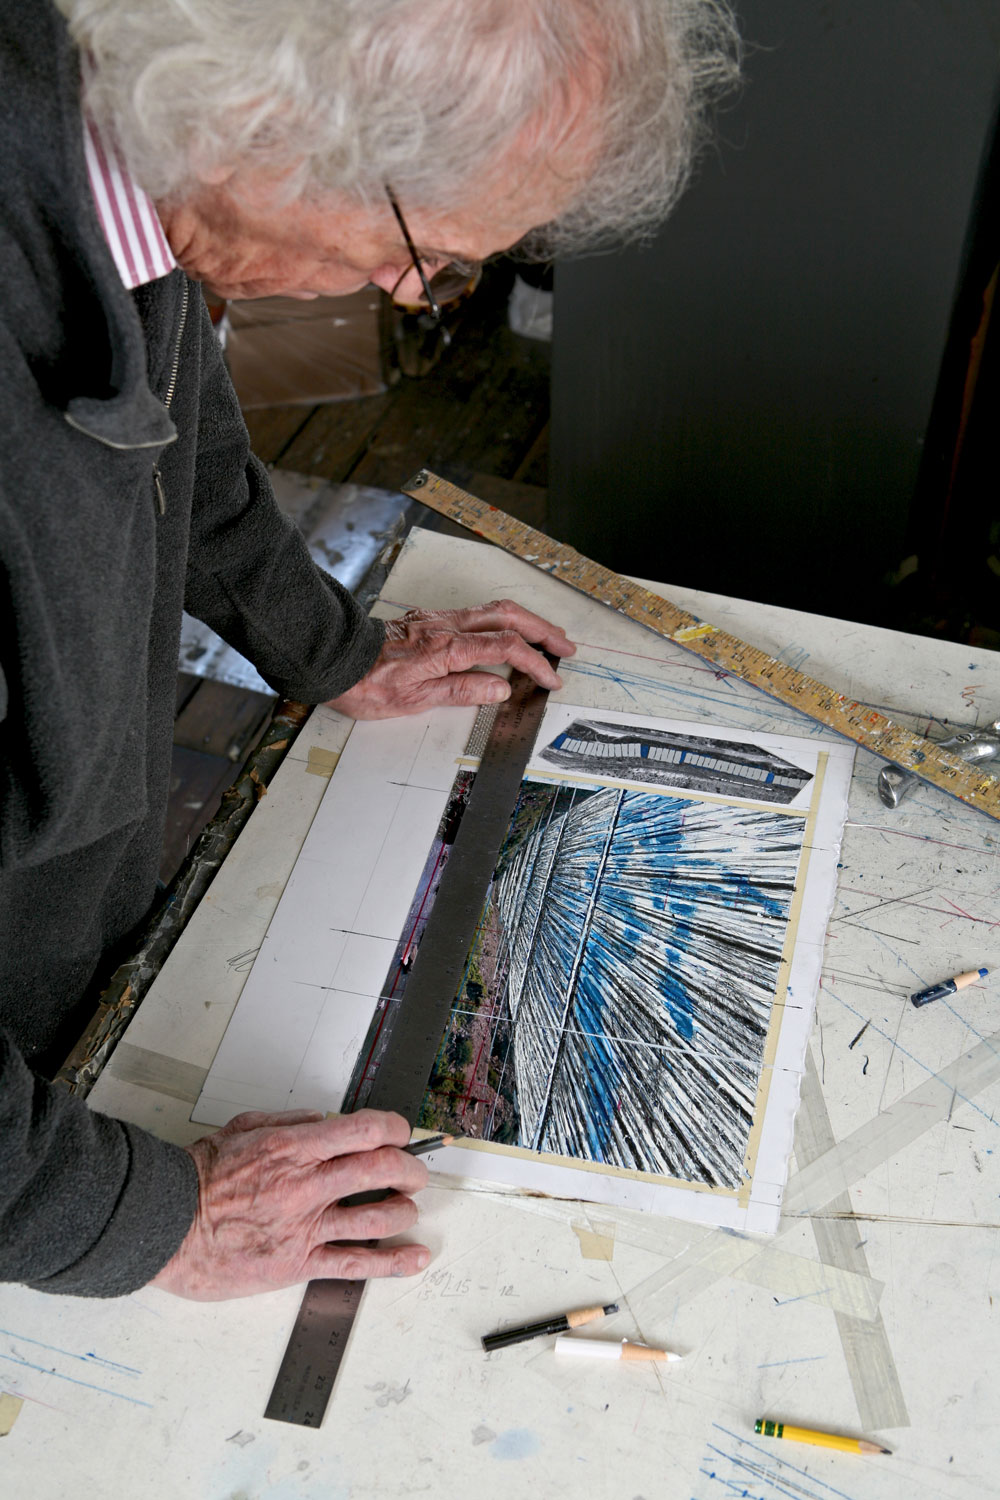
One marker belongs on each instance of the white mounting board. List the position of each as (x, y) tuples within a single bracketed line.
[(303, 1015)]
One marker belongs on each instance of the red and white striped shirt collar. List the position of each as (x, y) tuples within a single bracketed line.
[(131, 226)]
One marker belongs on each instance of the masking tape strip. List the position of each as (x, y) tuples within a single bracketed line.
[(597, 1243), (721, 1252), (867, 1352), (844, 1290), (711, 1254), (704, 1255), (154, 1070), (699, 1256), (322, 762), (843, 1163), (10, 1407)]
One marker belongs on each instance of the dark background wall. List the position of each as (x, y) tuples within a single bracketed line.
[(742, 406)]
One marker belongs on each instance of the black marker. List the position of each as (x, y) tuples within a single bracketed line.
[(507, 1336)]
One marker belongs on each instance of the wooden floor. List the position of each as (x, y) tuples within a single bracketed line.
[(480, 417)]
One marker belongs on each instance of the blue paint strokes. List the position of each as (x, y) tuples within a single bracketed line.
[(785, 1301), (805, 1359), (110, 1364), (636, 951), (741, 697), (515, 1443), (27, 1365), (781, 1484)]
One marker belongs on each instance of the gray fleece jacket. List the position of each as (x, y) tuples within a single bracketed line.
[(93, 579)]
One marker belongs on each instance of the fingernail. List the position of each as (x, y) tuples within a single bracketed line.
[(498, 689), (423, 1259)]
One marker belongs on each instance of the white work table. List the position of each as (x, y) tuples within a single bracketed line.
[(871, 1312)]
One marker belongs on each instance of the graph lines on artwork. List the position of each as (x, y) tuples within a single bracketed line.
[(617, 1000)]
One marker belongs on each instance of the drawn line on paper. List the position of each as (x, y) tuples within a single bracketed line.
[(849, 917), (922, 838), (802, 1295), (777, 1470), (804, 1359), (917, 905), (57, 1375), (110, 1364), (990, 1044)]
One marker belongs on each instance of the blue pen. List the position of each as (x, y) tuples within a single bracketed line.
[(948, 987)]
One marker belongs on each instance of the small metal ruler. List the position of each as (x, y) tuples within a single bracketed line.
[(856, 721), (415, 1028)]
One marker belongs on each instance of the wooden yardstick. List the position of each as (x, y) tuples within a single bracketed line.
[(856, 721)]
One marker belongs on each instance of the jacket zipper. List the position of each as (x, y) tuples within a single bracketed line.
[(161, 498)]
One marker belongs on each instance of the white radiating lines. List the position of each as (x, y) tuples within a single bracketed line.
[(645, 936)]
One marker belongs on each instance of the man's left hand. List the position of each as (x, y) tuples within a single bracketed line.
[(429, 657)]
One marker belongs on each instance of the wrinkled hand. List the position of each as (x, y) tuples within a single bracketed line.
[(269, 1204), (428, 657)]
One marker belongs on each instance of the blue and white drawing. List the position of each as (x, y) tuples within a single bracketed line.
[(617, 1001)]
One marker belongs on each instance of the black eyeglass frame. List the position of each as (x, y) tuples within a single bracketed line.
[(433, 305)]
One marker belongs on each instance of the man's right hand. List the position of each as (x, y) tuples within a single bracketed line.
[(269, 1212)]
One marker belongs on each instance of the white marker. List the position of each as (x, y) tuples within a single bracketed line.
[(568, 1343)]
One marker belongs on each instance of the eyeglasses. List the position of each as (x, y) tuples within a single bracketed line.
[(445, 285)]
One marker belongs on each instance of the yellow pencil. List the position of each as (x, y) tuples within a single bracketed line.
[(818, 1439)]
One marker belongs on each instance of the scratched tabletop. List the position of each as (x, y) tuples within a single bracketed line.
[(871, 1311)]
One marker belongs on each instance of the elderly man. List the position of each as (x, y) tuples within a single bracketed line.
[(259, 149)]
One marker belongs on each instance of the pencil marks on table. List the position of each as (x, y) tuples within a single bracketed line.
[(17, 1356), (988, 1046), (732, 1462)]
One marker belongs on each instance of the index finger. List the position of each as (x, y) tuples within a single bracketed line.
[(492, 648), (504, 614), (346, 1135)]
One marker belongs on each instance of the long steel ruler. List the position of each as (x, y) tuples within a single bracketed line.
[(414, 1028), (857, 721)]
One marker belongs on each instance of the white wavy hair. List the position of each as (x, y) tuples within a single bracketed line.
[(427, 95)]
